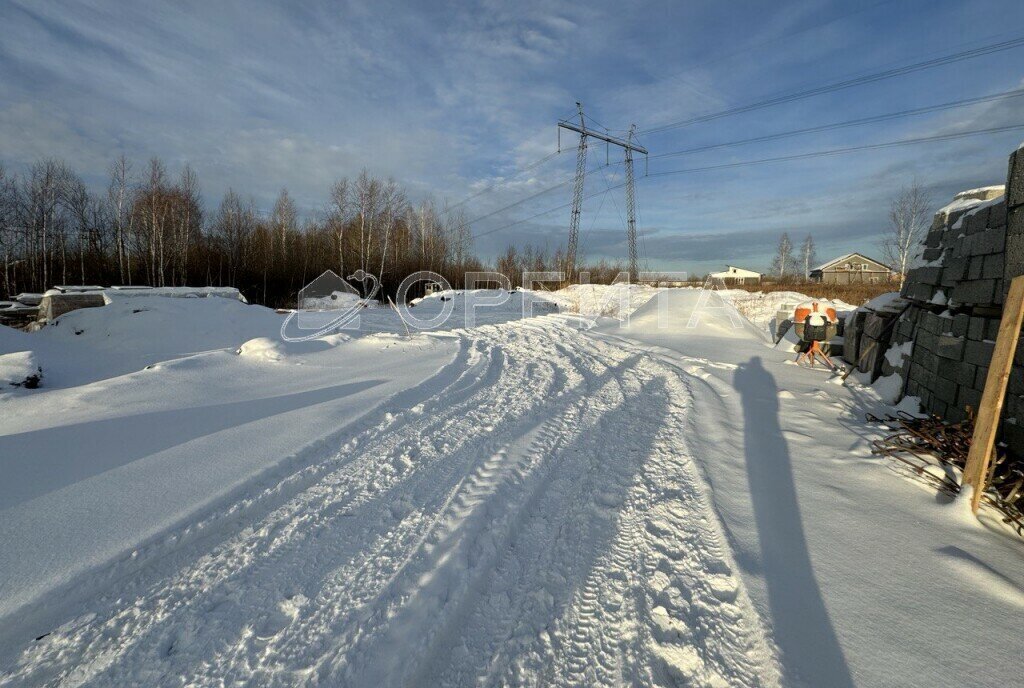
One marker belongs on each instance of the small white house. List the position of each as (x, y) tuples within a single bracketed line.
[(735, 275)]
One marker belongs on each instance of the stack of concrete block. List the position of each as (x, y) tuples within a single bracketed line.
[(1013, 414), (852, 331), (964, 258), (875, 336), (973, 250), (949, 361)]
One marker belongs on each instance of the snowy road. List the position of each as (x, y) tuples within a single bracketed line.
[(528, 516), (520, 503)]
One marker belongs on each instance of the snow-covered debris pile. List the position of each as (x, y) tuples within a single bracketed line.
[(131, 332), (337, 300), (19, 366)]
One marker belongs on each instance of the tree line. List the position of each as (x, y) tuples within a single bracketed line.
[(150, 227)]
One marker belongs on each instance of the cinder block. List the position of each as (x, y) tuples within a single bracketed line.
[(979, 353), (954, 270), (927, 342), (966, 374), (969, 397), (996, 240), (974, 267), (974, 291), (993, 268), (976, 221), (1013, 435), (960, 323), (1015, 180), (997, 215), (1013, 407), (976, 329), (927, 275), (950, 347), (991, 328), (954, 218), (932, 254), (1015, 244), (934, 237)]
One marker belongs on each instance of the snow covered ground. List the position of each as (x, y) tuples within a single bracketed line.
[(559, 500)]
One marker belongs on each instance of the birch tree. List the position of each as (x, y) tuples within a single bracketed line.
[(908, 221), (784, 262), (808, 256)]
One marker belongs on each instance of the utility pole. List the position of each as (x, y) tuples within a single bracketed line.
[(577, 192), (634, 274)]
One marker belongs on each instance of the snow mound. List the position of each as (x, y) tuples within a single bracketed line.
[(263, 348), (19, 369), (605, 300), (163, 326), (130, 333)]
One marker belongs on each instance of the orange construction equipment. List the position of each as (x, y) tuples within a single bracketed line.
[(815, 322)]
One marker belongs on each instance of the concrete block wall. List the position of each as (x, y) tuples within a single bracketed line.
[(970, 255)]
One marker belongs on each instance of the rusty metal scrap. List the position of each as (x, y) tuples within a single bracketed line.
[(923, 443)]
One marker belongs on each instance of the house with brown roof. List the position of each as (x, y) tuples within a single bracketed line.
[(852, 268)]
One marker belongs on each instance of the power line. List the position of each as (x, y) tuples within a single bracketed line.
[(491, 187), (537, 194), (841, 151), (759, 139), (545, 212), (847, 83), (784, 158), (849, 123)]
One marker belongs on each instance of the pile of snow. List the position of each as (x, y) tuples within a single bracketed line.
[(134, 331), (19, 369), (263, 348), (486, 305), (603, 300)]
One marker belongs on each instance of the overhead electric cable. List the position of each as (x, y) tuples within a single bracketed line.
[(849, 123), (841, 151), (784, 158), (847, 83)]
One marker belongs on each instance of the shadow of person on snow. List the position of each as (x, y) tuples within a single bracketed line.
[(810, 651)]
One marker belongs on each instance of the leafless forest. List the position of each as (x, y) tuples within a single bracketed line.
[(151, 226)]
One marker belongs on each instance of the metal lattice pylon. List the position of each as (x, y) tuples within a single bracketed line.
[(577, 192), (577, 199), (634, 274)]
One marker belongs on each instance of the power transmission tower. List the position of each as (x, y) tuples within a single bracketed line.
[(577, 192), (631, 210), (577, 197)]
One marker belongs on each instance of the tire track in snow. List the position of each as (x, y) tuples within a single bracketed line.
[(539, 521)]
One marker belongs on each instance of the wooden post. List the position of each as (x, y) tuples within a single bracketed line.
[(987, 422)]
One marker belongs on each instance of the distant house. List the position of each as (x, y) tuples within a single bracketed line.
[(853, 268), (735, 275)]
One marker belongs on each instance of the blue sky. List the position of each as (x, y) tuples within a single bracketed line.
[(450, 97)]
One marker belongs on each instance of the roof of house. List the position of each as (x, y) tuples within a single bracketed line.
[(843, 258), (733, 270)]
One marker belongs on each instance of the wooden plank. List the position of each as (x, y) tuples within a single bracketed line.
[(987, 422)]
